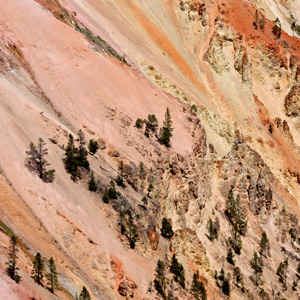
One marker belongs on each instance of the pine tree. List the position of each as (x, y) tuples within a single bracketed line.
[(12, 270), (282, 272), (235, 241), (38, 269), (150, 189), (105, 196), (166, 130), (151, 123), (82, 152), (52, 276), (139, 123), (70, 161), (84, 295), (166, 230), (298, 270), (223, 282), (92, 184), (238, 276), (198, 289), (264, 245), (230, 256), (160, 280), (112, 193), (142, 174), (257, 267), (213, 228), (235, 213), (177, 269), (93, 146), (37, 163), (132, 230)]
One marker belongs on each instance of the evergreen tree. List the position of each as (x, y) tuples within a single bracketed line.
[(84, 295), (82, 152), (298, 270), (166, 130), (142, 174), (213, 228), (223, 282), (257, 267), (52, 276), (160, 279), (235, 241), (177, 269), (93, 146), (132, 230), (238, 276), (151, 123), (112, 193), (121, 175), (12, 270), (198, 289), (92, 184), (230, 256), (70, 161), (166, 230), (139, 123), (264, 245), (37, 163), (150, 189), (282, 272), (105, 196), (38, 269), (235, 213)]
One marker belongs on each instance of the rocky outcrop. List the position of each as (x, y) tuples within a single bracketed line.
[(242, 61), (292, 102), (215, 55), (244, 170), (196, 10), (284, 128), (184, 186), (186, 243)]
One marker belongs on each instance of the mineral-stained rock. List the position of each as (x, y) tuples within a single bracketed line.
[(186, 243)]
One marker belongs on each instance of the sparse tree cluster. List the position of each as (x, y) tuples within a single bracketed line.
[(223, 281), (76, 157), (165, 132)]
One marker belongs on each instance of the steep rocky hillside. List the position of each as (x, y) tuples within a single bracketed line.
[(229, 75)]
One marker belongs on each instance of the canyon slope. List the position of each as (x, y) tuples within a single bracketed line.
[(229, 75)]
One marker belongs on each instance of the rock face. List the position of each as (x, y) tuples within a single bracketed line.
[(185, 187), (292, 102), (245, 171), (187, 245), (232, 88), (215, 54)]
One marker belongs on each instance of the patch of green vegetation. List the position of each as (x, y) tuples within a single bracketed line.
[(101, 43)]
